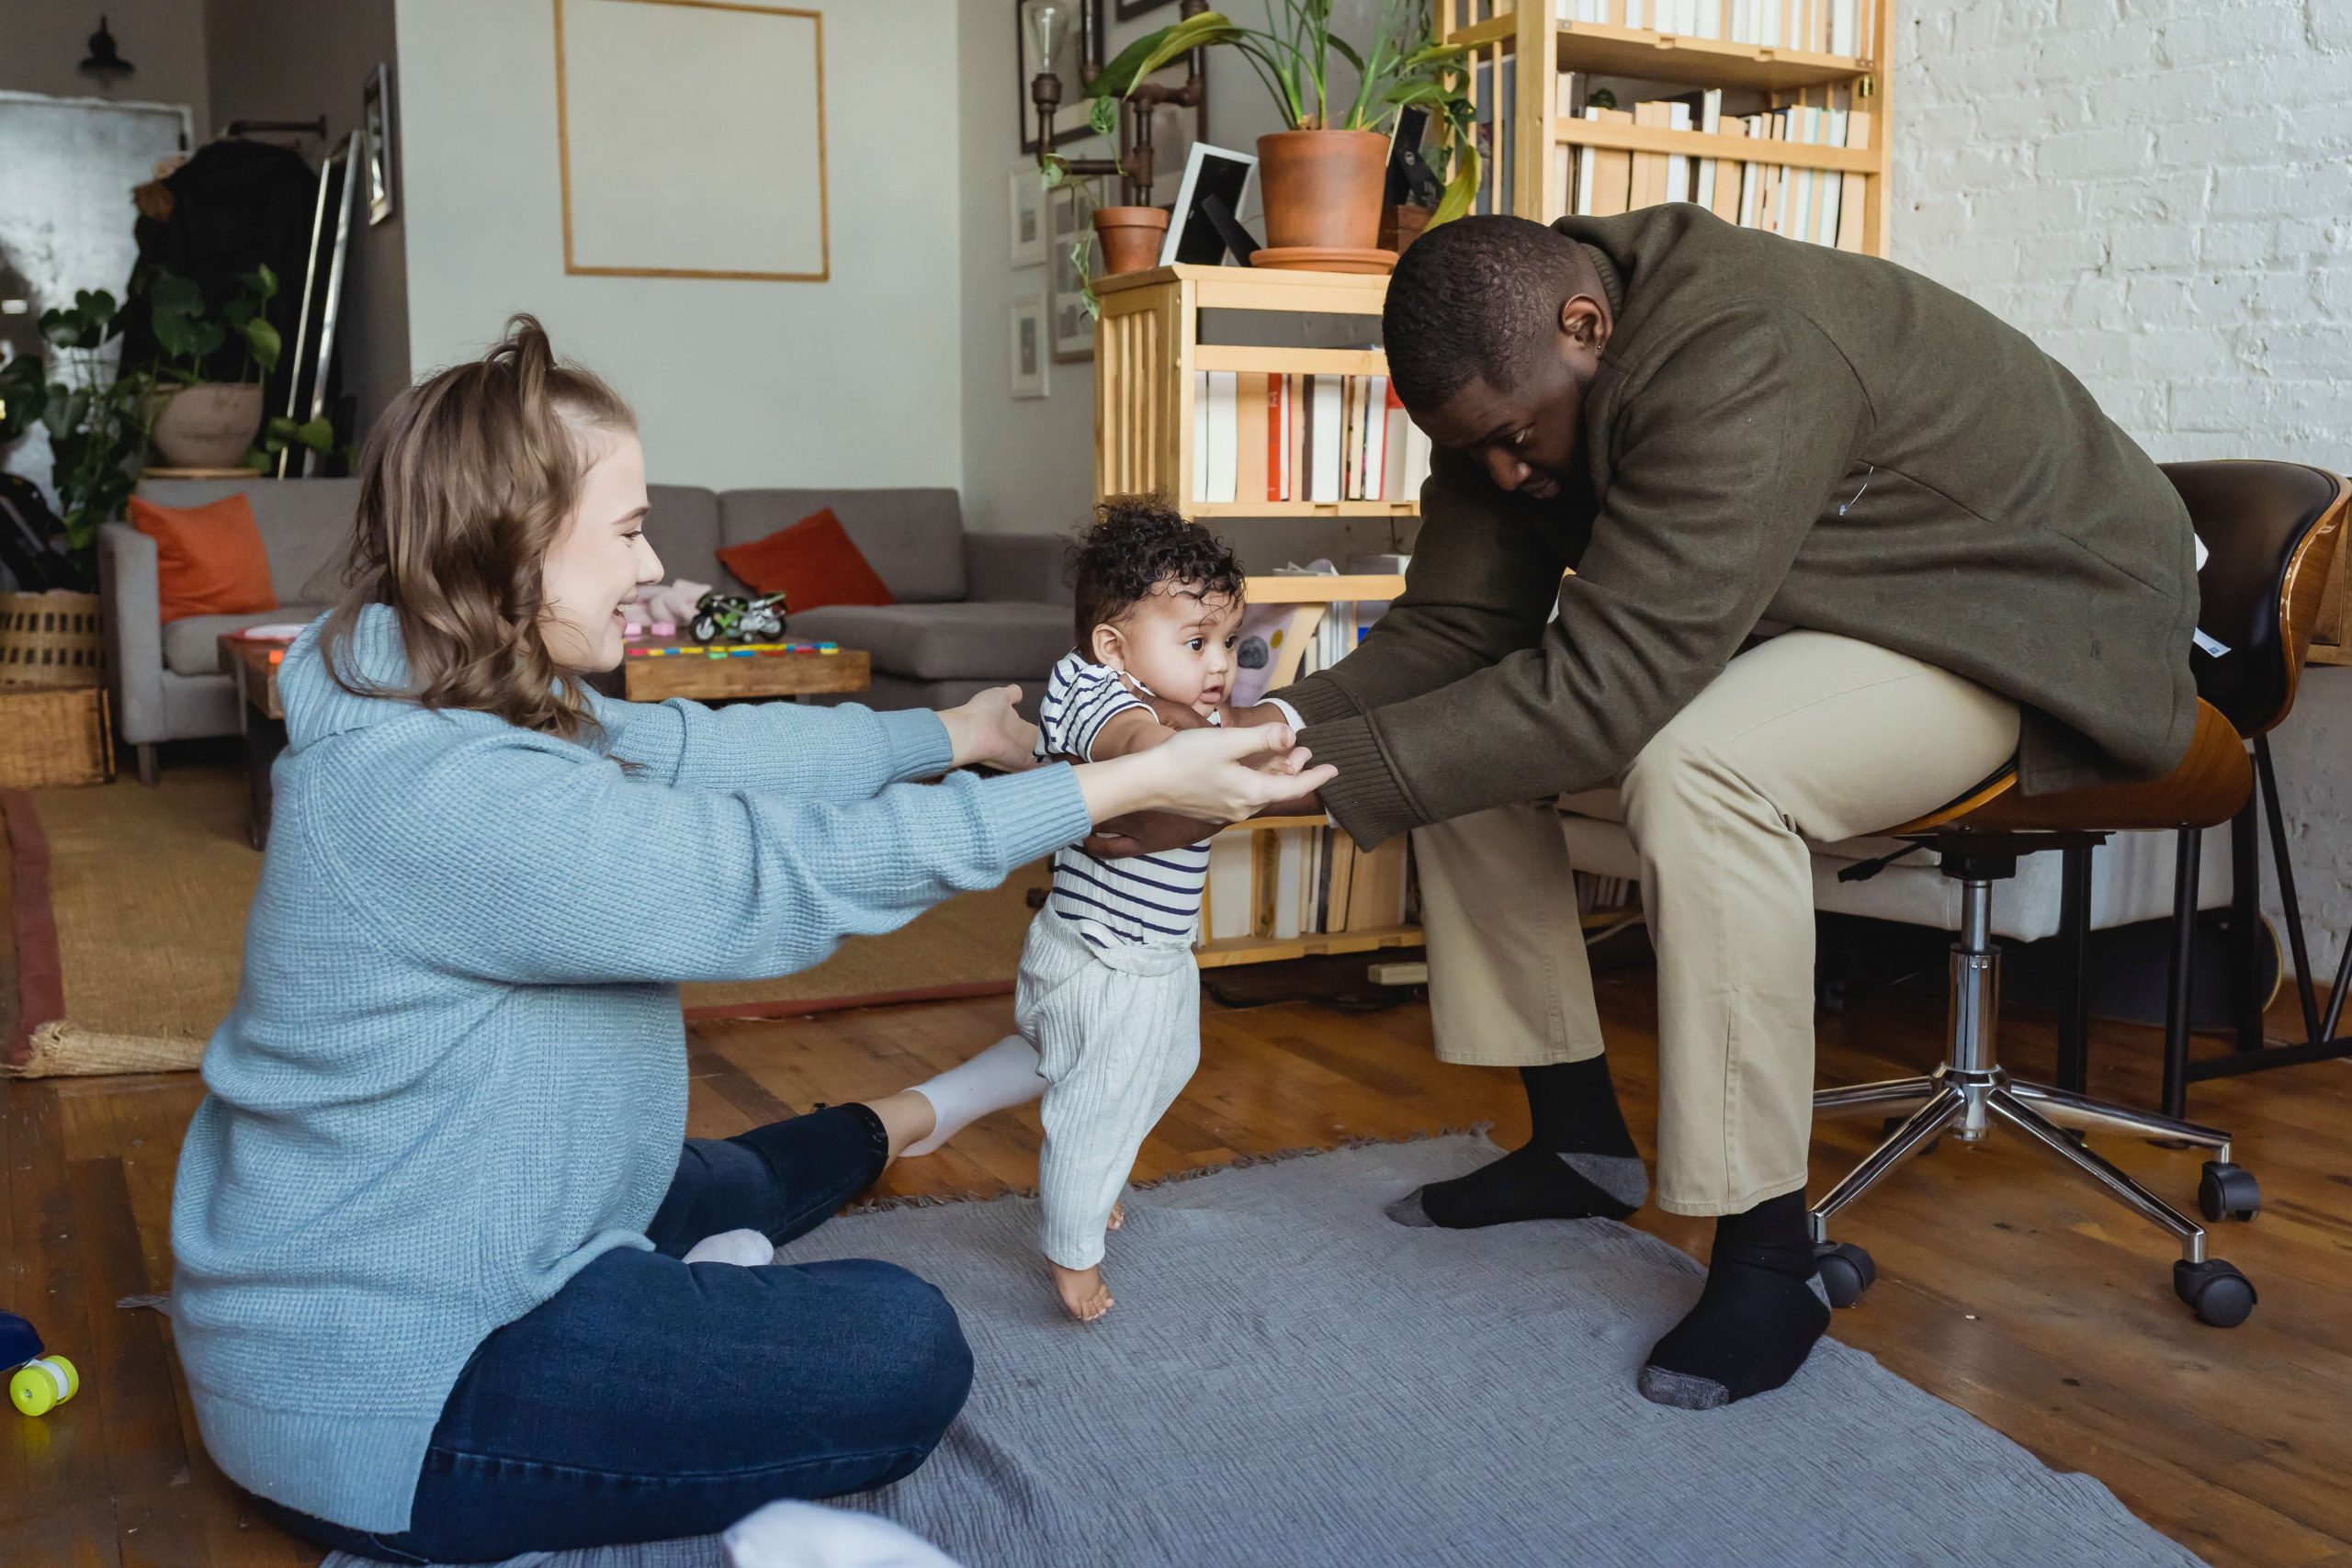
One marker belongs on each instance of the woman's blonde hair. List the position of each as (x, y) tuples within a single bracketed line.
[(469, 480)]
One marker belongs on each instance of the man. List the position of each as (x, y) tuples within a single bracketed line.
[(1844, 545)]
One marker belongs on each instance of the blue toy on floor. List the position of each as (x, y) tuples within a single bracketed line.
[(36, 1384)]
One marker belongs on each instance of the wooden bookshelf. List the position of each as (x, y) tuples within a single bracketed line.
[(1146, 348), (1530, 42)]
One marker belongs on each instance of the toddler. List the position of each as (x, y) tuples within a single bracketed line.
[(1108, 994)]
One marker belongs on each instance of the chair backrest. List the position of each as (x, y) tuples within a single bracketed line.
[(2274, 531)]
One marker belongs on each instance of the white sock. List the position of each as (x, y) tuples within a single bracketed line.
[(802, 1535), (746, 1249), (1004, 1075)]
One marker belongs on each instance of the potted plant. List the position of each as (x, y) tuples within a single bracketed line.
[(95, 413), (199, 423), (1322, 177)]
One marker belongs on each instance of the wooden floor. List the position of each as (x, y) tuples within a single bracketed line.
[(2019, 1297)]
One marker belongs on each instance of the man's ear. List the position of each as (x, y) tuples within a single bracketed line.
[(1584, 323), (1110, 649)]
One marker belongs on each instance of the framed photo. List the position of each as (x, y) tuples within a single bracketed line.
[(1073, 218), (1209, 171), (1026, 192), (1074, 61), (1031, 354), (376, 125)]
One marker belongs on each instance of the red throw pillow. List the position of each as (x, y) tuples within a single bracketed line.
[(812, 563), (209, 559)]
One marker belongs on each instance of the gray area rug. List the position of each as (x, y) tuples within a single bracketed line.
[(1290, 1379)]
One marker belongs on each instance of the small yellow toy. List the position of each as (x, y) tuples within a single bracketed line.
[(40, 1385)]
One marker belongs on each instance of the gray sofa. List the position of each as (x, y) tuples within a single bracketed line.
[(974, 609)]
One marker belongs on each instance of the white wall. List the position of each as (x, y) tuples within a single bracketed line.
[(41, 42), (271, 60), (853, 382), (2160, 193)]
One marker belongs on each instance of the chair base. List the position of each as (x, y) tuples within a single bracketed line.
[(1967, 1101), (1971, 1091)]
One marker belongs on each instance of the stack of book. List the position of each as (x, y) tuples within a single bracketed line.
[(1815, 27), (1821, 206), (1302, 438)]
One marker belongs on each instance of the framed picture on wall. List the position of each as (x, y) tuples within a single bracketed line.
[(1073, 218), (375, 123), (1031, 354), (1027, 194)]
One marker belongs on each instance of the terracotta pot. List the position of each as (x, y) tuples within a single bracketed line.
[(1130, 237), (209, 425), (1323, 187)]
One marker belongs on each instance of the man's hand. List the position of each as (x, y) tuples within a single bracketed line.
[(987, 731)]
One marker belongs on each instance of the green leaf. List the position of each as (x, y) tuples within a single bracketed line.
[(210, 335), (1461, 191), (318, 434), (1102, 115), (263, 342), (1152, 51), (177, 335), (261, 282), (174, 296)]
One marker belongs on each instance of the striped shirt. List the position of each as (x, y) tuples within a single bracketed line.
[(1142, 900)]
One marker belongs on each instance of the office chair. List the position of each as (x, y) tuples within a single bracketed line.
[(2272, 530)]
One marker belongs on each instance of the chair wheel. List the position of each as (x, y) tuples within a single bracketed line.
[(2215, 1291), (1846, 1271), (1887, 1129), (2228, 1192)]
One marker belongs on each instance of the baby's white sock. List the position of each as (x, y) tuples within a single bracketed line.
[(746, 1249), (1002, 1075)]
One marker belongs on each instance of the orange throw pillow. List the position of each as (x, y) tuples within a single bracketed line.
[(209, 559), (812, 563)]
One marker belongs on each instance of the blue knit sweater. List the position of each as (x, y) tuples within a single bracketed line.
[(455, 1071)]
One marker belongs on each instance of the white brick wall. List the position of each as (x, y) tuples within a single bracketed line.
[(2159, 192)]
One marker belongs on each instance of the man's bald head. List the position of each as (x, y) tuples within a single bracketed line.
[(1478, 298)]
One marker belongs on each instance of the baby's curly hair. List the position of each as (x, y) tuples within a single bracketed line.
[(1138, 542)]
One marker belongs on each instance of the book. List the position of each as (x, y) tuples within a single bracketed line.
[(1327, 422), (1649, 168), (1252, 460), (1376, 438), (1613, 179), (1394, 485), (1731, 179), (1200, 487), (1849, 203), (1804, 126), (1225, 900), (1711, 115), (1830, 188), (1678, 164)]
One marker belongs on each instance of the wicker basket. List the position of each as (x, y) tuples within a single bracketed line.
[(55, 738), (51, 640)]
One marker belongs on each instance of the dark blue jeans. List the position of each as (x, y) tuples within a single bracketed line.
[(651, 1398)]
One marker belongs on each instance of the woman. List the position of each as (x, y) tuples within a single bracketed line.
[(430, 1218)]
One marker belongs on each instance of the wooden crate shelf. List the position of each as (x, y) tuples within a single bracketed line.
[(1636, 52), (1147, 349), (1700, 144)]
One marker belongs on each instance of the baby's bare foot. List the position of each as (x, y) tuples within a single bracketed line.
[(1118, 1216), (1085, 1295)]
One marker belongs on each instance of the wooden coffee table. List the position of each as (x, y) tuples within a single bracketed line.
[(252, 665), (660, 668)]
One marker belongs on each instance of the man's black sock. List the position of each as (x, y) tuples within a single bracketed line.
[(1757, 1320), (1579, 1161)]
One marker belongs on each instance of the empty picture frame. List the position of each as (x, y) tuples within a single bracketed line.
[(1208, 172), (1026, 215), (691, 140), (376, 125)]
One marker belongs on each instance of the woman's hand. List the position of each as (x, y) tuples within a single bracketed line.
[(987, 732), (1215, 775)]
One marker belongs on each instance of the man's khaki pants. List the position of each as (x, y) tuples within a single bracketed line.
[(1806, 737)]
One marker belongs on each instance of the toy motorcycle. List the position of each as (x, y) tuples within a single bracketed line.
[(730, 617)]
